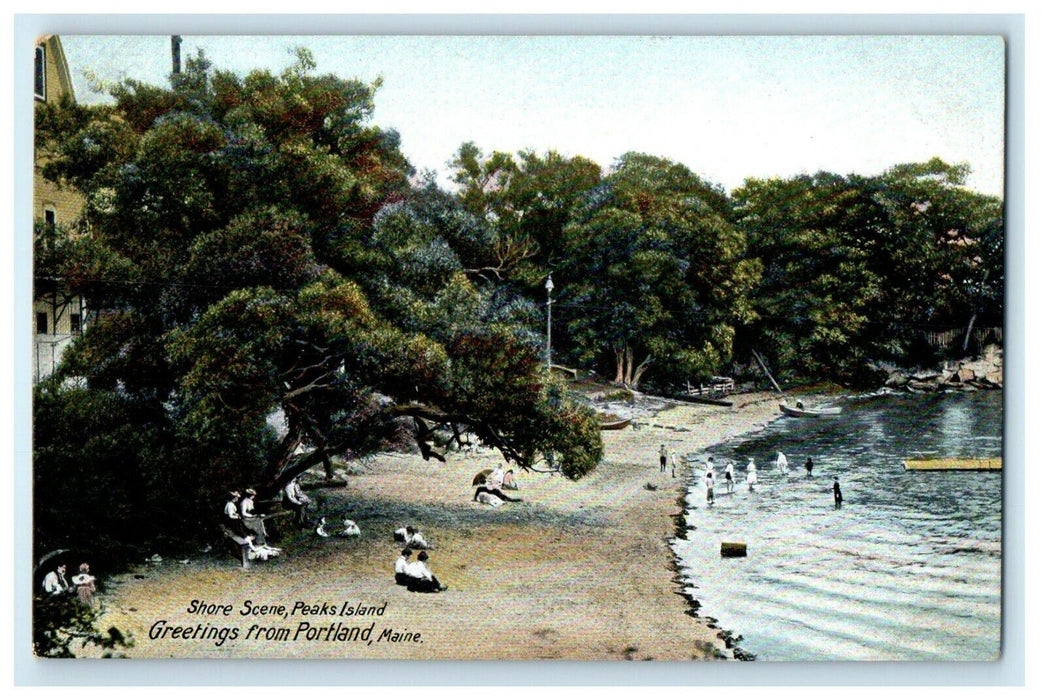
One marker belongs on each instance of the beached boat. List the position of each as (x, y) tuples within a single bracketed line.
[(689, 398), (616, 425), (809, 412), (953, 463)]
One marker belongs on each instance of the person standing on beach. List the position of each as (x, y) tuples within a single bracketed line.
[(675, 463), (809, 466), (782, 462), (837, 492), (752, 478), (729, 476), (663, 457), (710, 487)]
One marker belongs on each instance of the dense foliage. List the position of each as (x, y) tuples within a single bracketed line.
[(273, 285), (859, 269), (269, 289)]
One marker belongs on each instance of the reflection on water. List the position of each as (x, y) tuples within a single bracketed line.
[(908, 568)]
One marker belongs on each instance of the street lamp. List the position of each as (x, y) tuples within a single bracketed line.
[(548, 348)]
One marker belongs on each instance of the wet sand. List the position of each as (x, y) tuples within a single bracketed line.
[(578, 570)]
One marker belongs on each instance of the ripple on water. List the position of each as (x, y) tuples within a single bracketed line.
[(908, 568)]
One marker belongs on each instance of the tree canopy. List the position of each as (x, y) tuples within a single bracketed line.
[(271, 284), (270, 287)]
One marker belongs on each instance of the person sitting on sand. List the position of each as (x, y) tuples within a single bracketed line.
[(420, 578), (496, 478), (494, 492), (85, 587), (261, 552), (488, 499), (55, 582), (402, 562), (410, 537), (510, 483)]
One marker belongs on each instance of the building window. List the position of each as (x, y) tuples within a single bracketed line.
[(49, 220), (74, 323), (41, 323), (40, 75)]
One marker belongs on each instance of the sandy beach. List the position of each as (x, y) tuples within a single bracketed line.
[(578, 570)]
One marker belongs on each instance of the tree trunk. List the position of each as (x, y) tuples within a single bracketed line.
[(628, 366), (969, 330), (619, 356), (276, 481), (639, 371)]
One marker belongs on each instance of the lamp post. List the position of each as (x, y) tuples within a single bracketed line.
[(548, 304)]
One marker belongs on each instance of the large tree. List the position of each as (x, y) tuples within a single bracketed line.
[(244, 249), (864, 268), (656, 276)]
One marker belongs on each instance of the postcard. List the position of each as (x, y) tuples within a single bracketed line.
[(491, 347)]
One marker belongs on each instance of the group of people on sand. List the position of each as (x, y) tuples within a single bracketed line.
[(492, 492), (415, 575), (82, 585), (663, 458)]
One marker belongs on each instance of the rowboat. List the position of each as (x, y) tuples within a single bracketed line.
[(809, 412), (616, 425), (690, 398)]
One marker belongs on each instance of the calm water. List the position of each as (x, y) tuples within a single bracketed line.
[(908, 568)]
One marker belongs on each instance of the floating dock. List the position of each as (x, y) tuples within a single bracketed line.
[(939, 464)]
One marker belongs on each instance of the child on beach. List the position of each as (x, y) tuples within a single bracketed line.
[(837, 492), (710, 487), (752, 478), (729, 477)]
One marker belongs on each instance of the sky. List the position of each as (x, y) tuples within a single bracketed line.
[(728, 107)]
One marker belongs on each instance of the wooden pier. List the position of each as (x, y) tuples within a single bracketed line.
[(939, 464)]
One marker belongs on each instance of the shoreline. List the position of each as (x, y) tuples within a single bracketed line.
[(574, 572)]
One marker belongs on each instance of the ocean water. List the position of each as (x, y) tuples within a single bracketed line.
[(908, 568)]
